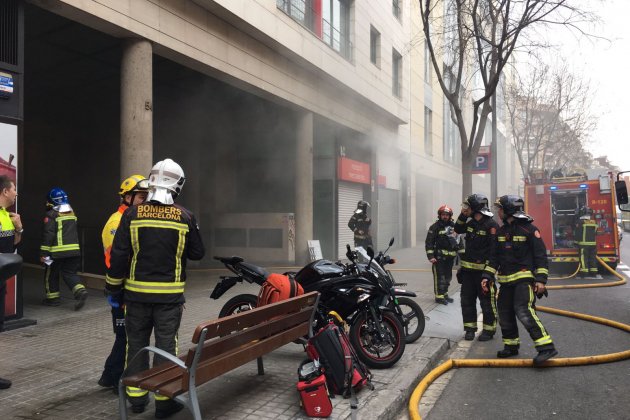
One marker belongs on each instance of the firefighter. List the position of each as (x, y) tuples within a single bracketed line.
[(60, 251), (360, 224), (586, 241), (441, 247), (476, 222), (520, 262), (133, 191), (148, 262)]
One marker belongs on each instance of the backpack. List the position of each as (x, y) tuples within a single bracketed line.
[(344, 372), (278, 287)]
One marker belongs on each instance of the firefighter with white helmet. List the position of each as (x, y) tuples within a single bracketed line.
[(148, 261), (441, 248)]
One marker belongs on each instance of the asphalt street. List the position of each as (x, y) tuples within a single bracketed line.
[(584, 392)]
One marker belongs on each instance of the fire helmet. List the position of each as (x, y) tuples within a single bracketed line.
[(57, 197), (165, 182), (512, 205), (362, 207), (478, 203), (445, 209), (135, 183)]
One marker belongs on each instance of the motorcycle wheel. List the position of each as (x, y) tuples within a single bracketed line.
[(375, 352), (412, 318), (237, 304)]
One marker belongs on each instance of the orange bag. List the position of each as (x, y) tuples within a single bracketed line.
[(278, 287)]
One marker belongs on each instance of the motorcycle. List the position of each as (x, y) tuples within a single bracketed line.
[(354, 291)]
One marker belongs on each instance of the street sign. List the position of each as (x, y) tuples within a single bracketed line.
[(482, 163)]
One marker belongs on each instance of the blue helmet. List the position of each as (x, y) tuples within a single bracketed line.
[(57, 197)]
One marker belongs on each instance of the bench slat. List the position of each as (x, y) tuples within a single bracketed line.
[(226, 362), (224, 326), (266, 329), (135, 379)]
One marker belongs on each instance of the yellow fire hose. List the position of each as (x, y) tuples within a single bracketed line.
[(414, 401)]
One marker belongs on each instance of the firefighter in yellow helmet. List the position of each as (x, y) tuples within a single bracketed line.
[(158, 236), (133, 191)]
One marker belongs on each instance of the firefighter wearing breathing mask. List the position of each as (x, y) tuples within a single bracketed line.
[(520, 263), (476, 222), (148, 261), (360, 223)]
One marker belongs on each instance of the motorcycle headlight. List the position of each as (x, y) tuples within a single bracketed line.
[(363, 297)]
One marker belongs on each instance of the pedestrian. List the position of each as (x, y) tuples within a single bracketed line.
[(441, 247), (148, 263), (476, 222), (521, 264), (10, 235), (60, 251), (360, 223), (133, 191), (585, 236)]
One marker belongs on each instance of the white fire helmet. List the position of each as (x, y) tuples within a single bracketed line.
[(165, 182)]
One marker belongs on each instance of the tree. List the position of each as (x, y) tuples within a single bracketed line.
[(470, 43), (550, 119)]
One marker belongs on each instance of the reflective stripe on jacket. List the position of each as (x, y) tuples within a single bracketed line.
[(586, 233), (61, 235)]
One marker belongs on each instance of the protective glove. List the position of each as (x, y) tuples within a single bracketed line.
[(113, 302), (113, 298)]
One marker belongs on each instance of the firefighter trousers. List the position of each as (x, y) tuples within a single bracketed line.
[(588, 259), (141, 319), (518, 301), (66, 268), (363, 242), (115, 363), (442, 275), (470, 292)]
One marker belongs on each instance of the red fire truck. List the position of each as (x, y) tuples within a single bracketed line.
[(555, 206)]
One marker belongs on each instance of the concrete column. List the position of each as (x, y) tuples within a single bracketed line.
[(136, 108), (303, 187)]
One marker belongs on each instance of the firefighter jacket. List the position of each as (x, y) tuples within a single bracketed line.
[(61, 235), (360, 225), (520, 254), (149, 253), (480, 238), (586, 232), (109, 231), (440, 242)]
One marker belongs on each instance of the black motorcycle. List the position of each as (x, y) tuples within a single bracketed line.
[(244, 272)]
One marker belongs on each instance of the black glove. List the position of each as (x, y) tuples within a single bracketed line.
[(459, 276), (541, 294)]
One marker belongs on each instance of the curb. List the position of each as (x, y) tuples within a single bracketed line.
[(388, 402)]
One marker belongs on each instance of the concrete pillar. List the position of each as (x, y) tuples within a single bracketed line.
[(303, 187), (136, 108)]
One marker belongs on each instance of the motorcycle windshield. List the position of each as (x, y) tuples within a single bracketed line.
[(364, 258)]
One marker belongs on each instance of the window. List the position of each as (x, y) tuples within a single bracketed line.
[(427, 63), (452, 149), (396, 10), (396, 74), (329, 20), (428, 131), (375, 47)]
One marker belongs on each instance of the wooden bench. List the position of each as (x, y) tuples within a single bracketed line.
[(222, 345)]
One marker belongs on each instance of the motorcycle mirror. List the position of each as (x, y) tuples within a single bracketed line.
[(370, 252), (391, 241), (349, 253), (10, 265)]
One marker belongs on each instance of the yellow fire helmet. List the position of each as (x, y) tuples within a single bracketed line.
[(133, 184)]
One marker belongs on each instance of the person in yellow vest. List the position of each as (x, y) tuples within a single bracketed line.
[(60, 251), (10, 235), (586, 238), (133, 191)]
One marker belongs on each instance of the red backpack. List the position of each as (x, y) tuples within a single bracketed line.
[(278, 287)]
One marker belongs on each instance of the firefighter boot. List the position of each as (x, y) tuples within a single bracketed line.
[(51, 302), (167, 408), (441, 300), (544, 355), (138, 404), (485, 336), (5, 383), (507, 351), (81, 297), (448, 299), (469, 336)]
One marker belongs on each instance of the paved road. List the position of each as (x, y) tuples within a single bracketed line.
[(587, 392)]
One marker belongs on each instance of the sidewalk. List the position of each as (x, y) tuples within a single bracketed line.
[(55, 364)]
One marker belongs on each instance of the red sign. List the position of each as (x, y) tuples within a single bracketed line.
[(353, 171), (382, 180)]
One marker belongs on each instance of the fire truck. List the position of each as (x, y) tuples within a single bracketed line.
[(555, 206)]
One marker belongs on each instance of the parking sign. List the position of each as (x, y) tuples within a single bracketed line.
[(482, 162)]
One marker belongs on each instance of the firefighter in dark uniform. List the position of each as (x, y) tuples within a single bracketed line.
[(148, 260), (441, 247), (521, 264), (585, 236), (476, 222), (360, 224)]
